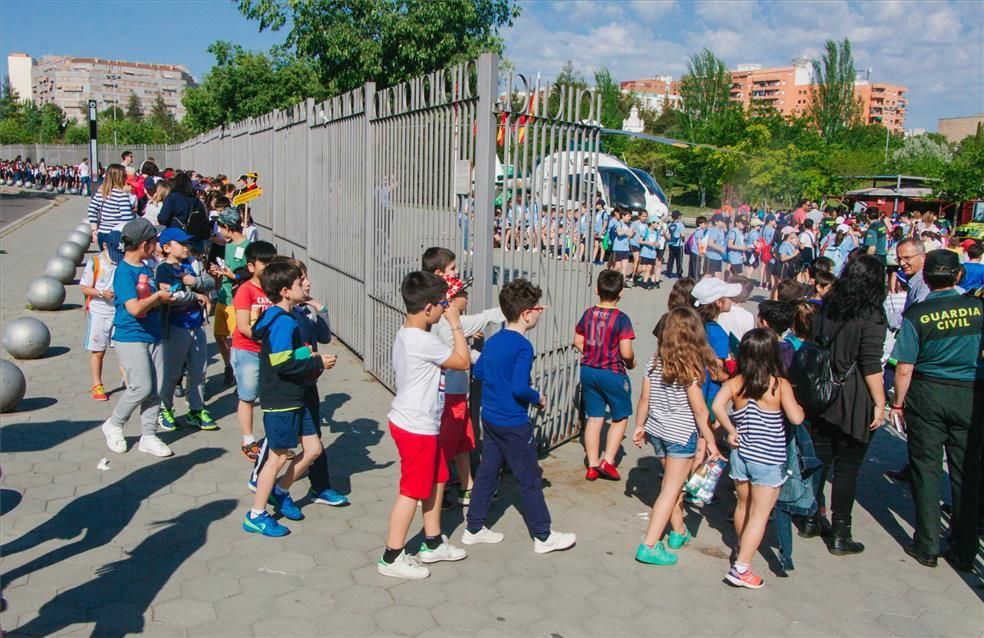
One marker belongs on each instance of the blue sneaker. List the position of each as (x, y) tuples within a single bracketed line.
[(285, 505), (251, 484), (264, 524), (329, 497)]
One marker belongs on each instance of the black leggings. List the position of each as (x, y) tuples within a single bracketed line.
[(844, 455)]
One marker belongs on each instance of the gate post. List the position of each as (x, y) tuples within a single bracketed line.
[(488, 76), (368, 215)]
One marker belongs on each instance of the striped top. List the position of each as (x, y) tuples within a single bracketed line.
[(603, 329), (110, 213), (761, 434), (670, 416)]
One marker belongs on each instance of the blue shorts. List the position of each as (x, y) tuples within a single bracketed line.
[(623, 255), (756, 473), (283, 429), (606, 388), (246, 368), (714, 265), (664, 448)]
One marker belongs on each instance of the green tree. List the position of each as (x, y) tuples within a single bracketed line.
[(388, 41), (246, 84), (706, 95), (963, 178), (10, 104), (834, 108), (922, 155), (134, 109), (568, 76)]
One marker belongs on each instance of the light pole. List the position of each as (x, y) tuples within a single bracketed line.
[(885, 111), (115, 77)]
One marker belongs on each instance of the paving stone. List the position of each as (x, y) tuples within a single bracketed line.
[(286, 626), (184, 612), (210, 588), (905, 626), (220, 628), (304, 604), (362, 599), (401, 620)]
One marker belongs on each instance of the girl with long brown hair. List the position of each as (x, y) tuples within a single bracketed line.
[(670, 414), (110, 208)]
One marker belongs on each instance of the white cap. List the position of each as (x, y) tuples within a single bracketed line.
[(840, 219), (843, 228), (710, 289), (787, 230)]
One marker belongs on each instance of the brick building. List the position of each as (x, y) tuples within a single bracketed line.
[(655, 93), (955, 129)]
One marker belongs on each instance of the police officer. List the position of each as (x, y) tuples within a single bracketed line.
[(939, 396)]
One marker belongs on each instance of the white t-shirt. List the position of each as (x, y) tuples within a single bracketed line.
[(736, 321), (456, 381), (104, 281), (84, 169), (419, 400), (806, 239), (152, 210)]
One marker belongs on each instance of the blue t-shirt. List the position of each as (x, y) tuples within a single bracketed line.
[(714, 236), (188, 315), (600, 222), (973, 276), (646, 251), (786, 250), (752, 237), (717, 338), (768, 234), (126, 327), (676, 233), (640, 230), (737, 238), (504, 371), (848, 244), (621, 243)]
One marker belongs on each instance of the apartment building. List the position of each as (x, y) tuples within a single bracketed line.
[(69, 82), (655, 94)]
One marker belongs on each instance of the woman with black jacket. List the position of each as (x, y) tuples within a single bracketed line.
[(179, 204), (853, 315)]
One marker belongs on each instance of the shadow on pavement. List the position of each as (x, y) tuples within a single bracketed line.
[(35, 436), (117, 599), (9, 499), (98, 517), (348, 454)]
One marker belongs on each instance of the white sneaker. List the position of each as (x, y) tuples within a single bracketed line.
[(484, 535), (404, 566), (114, 437), (555, 542), (150, 444), (444, 551)]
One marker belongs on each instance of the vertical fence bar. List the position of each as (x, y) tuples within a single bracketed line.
[(488, 74)]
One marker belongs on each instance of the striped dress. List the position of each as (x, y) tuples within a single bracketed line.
[(670, 416), (111, 213), (761, 434)]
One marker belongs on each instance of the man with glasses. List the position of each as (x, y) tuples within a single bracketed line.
[(911, 254)]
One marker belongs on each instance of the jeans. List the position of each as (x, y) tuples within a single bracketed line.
[(675, 256), (144, 366), (87, 186), (515, 446), (184, 346), (784, 535), (842, 454)]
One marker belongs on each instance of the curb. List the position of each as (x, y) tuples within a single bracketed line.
[(14, 225)]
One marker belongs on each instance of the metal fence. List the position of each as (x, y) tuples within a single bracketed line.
[(361, 184)]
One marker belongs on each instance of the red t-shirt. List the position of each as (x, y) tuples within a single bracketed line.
[(250, 297), (603, 329)]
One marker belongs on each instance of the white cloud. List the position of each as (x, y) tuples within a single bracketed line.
[(935, 48)]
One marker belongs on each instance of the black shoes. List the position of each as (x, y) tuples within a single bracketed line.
[(923, 559), (814, 526), (842, 544)]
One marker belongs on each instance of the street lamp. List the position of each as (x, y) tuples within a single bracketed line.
[(115, 77)]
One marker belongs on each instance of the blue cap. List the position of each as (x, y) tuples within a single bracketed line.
[(114, 246), (174, 234)]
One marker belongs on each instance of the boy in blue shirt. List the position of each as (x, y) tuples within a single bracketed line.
[(289, 373), (715, 246), (504, 371), (137, 340), (621, 243), (674, 241)]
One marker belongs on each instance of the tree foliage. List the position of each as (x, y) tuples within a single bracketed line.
[(134, 109), (351, 42), (922, 155), (834, 108), (963, 178), (706, 94)]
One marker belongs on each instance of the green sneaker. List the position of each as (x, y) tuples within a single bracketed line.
[(655, 555), (201, 419), (464, 497), (166, 421), (676, 541)]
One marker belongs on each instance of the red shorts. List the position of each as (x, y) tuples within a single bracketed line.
[(422, 463), (457, 434)]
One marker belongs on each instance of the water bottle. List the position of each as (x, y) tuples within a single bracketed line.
[(143, 291), (714, 472), (696, 480)]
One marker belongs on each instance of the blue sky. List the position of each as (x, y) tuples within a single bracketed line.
[(936, 48)]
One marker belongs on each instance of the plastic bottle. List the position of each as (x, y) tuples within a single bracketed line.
[(714, 472), (143, 291)]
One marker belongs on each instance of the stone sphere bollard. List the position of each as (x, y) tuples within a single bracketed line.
[(73, 251), (26, 338), (13, 385), (83, 239), (84, 227), (46, 293), (60, 268)]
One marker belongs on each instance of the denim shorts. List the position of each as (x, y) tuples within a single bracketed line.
[(606, 388), (756, 473), (246, 368), (664, 448), (284, 428)]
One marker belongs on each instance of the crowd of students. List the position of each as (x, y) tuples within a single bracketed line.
[(72, 178), (720, 386)]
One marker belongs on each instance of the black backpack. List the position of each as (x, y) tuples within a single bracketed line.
[(198, 226), (812, 375)]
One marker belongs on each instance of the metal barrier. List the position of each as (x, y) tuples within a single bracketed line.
[(361, 184)]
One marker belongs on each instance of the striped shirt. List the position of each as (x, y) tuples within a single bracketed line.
[(670, 416), (603, 329), (761, 434), (110, 213)]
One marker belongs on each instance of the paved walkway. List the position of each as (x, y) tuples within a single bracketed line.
[(155, 546)]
